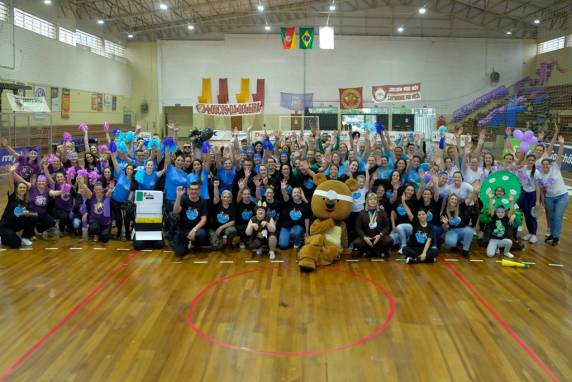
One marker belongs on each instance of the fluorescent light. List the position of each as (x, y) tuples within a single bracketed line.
[(130, 35), (422, 10), (163, 6), (191, 27), (537, 21), (100, 22), (47, 2), (260, 8), (267, 28), (333, 7), (509, 33), (400, 29), (326, 38)]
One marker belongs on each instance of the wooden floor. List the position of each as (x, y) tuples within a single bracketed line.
[(77, 311)]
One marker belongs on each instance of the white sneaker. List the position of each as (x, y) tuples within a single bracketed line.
[(400, 251), (258, 252), (296, 247), (242, 246), (25, 243), (271, 255), (527, 237), (533, 239), (509, 255)]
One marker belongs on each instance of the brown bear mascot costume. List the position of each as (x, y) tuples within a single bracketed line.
[(331, 205)]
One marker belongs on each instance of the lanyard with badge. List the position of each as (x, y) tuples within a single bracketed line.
[(372, 219)]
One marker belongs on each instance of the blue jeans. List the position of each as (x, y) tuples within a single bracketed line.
[(401, 234), (295, 234), (455, 235), (526, 202), (556, 207)]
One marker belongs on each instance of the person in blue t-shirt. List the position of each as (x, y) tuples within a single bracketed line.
[(122, 193), (146, 177)]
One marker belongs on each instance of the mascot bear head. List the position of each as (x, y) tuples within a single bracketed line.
[(332, 198)]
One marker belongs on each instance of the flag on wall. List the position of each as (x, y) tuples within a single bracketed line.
[(351, 98), (306, 38), (296, 102), (66, 95), (288, 37)]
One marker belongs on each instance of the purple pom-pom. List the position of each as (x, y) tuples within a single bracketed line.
[(112, 147), (106, 126), (84, 127), (70, 173), (115, 132), (82, 172), (102, 148), (206, 146), (52, 158), (93, 177), (65, 188), (67, 137)]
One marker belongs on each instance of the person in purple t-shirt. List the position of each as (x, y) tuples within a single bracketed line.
[(28, 167), (99, 211)]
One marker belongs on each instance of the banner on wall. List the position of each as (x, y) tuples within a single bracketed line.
[(351, 98), (296, 101), (396, 93), (229, 110), (66, 95), (97, 102), (22, 104), (7, 159), (56, 100)]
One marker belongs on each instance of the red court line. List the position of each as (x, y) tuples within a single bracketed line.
[(8, 372), (473, 290), (104, 299)]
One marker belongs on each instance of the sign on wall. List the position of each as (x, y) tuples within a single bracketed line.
[(56, 100), (396, 93), (66, 99), (351, 98), (229, 110)]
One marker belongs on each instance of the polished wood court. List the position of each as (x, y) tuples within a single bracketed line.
[(85, 312)]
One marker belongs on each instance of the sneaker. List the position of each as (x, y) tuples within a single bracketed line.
[(355, 253), (497, 252), (533, 239), (547, 234), (258, 252), (271, 255), (555, 241), (400, 251), (242, 245), (549, 239), (465, 254), (190, 245), (25, 243), (509, 255), (411, 260), (527, 237)]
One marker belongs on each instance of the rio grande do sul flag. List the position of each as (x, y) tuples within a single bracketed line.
[(288, 37), (306, 38)]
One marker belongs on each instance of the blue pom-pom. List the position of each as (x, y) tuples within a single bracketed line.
[(112, 147), (170, 145), (153, 143), (120, 136), (115, 131), (442, 143), (129, 136), (379, 127), (205, 147), (140, 176), (267, 144), (442, 129), (424, 167), (122, 147)]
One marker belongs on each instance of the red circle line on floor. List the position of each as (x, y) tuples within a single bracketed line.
[(311, 353)]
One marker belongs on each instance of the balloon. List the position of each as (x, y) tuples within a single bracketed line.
[(533, 141), (518, 134), (528, 135), (524, 147)]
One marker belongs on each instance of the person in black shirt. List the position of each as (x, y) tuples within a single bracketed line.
[(17, 217), (499, 229), (261, 230), (273, 205), (455, 221), (430, 201), (295, 220), (421, 247), (245, 210), (222, 229), (372, 228), (246, 175), (190, 228)]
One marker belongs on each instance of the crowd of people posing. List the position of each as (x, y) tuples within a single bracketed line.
[(413, 195)]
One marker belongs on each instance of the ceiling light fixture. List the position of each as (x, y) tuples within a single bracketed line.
[(400, 29), (267, 28), (260, 8), (130, 35), (191, 27), (422, 10), (536, 21), (47, 2), (163, 6), (332, 7), (100, 22), (509, 33)]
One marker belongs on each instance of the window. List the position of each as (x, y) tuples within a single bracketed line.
[(3, 12), (93, 42), (550, 45), (67, 36), (569, 41), (35, 24), (113, 49)]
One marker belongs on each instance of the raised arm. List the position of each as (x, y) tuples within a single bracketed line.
[(115, 163), (4, 143), (560, 156)]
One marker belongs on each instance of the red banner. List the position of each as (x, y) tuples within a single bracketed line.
[(351, 98), (233, 109), (396, 93)]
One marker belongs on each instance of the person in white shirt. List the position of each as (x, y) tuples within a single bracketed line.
[(529, 197), (555, 193)]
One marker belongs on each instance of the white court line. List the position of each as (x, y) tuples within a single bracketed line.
[(556, 265), (276, 261), (377, 260), (75, 249), (451, 259), (226, 262), (200, 262), (147, 250), (2, 249), (251, 261), (168, 251), (499, 261), (25, 249), (476, 260), (122, 249), (352, 260), (99, 249), (526, 262), (52, 249)]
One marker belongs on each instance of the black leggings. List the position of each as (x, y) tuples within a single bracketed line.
[(9, 236), (44, 223), (103, 232), (432, 253), (120, 219), (64, 221)]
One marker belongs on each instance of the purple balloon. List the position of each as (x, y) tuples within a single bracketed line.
[(528, 136), (524, 147), (518, 134), (533, 141)]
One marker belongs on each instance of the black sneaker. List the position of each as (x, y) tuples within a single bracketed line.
[(555, 241), (549, 239), (411, 260), (465, 254), (355, 253)]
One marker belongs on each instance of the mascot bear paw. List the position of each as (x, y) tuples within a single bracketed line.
[(331, 204)]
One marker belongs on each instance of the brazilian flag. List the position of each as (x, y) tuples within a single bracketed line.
[(306, 38)]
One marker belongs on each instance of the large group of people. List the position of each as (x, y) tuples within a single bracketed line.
[(414, 196)]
